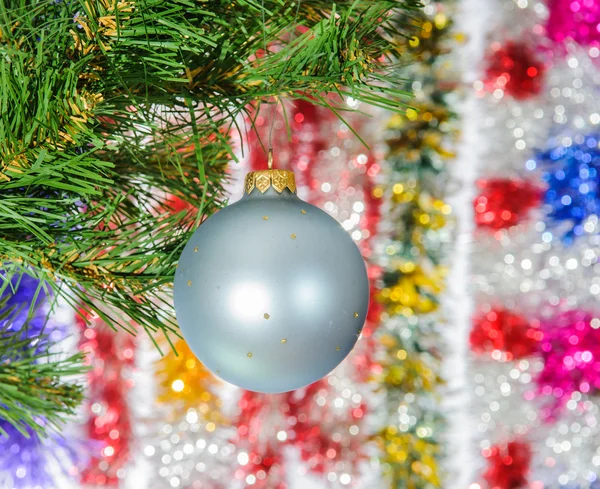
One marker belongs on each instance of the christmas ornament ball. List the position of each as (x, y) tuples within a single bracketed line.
[(271, 293)]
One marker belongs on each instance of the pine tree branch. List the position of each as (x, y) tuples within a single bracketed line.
[(96, 133), (34, 390)]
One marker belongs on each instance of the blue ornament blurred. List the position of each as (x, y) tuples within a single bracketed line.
[(26, 458), (571, 173), (25, 461), (19, 296)]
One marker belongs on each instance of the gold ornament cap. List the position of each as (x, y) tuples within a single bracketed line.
[(264, 179)]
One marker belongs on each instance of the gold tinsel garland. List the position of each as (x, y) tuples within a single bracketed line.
[(414, 275)]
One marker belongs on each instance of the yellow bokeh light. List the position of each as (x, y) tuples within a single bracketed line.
[(440, 20), (184, 383), (378, 192), (412, 114)]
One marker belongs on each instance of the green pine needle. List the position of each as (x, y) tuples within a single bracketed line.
[(108, 108), (36, 383)]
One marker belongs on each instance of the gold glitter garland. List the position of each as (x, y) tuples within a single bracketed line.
[(418, 149), (184, 383)]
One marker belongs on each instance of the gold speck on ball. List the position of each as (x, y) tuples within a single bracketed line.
[(337, 348), (249, 354), (355, 314), (266, 316), (293, 236), (196, 249), (265, 218), (303, 211), (283, 341), (189, 283)]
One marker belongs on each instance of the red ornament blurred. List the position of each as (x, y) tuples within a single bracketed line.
[(504, 202), (265, 469), (514, 68), (508, 465), (315, 428), (175, 205), (269, 423), (109, 355), (261, 417), (504, 331)]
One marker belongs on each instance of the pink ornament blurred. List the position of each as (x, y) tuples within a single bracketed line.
[(571, 354), (575, 19)]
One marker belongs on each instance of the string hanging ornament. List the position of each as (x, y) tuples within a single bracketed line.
[(271, 293)]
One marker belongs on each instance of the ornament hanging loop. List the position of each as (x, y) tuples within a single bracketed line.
[(270, 159)]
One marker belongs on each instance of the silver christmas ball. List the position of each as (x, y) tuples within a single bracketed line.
[(271, 293)]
